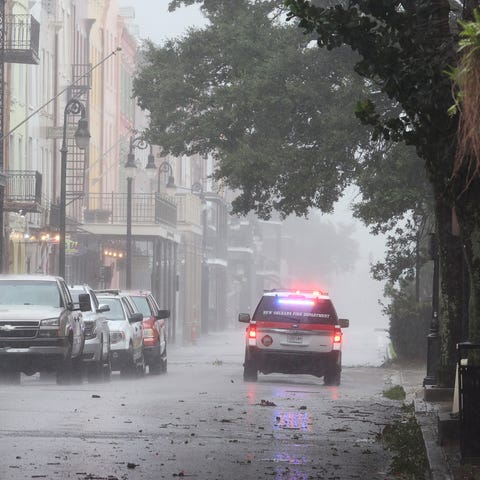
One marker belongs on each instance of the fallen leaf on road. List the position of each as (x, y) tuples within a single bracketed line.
[(267, 403)]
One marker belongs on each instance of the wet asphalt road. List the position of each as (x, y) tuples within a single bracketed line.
[(201, 421)]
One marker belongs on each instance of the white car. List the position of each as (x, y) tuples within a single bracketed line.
[(126, 332), (294, 331), (96, 351)]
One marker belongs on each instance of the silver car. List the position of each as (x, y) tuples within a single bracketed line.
[(96, 352)]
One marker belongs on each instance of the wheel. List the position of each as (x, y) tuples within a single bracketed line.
[(64, 372), (250, 370), (77, 370), (128, 369), (155, 368), (95, 371), (107, 369), (140, 367), (333, 374), (163, 361), (10, 377), (332, 378)]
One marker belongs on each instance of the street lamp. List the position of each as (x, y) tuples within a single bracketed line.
[(164, 167), (130, 167), (82, 138), (433, 338)]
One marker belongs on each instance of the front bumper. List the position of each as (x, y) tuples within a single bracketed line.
[(92, 350), (37, 353)]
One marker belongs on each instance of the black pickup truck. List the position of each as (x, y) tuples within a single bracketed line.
[(40, 328)]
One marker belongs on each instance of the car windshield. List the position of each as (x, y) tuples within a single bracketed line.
[(29, 292), (296, 308), (142, 305), (116, 311)]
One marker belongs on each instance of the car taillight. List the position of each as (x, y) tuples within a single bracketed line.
[(252, 331), (337, 336)]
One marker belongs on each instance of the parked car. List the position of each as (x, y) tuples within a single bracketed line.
[(96, 351), (294, 331), (126, 332), (41, 330), (154, 331)]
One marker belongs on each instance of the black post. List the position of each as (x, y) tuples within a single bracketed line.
[(63, 198), (433, 338), (82, 137), (205, 272), (128, 280)]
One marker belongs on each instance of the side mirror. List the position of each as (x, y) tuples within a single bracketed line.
[(136, 317), (103, 308), (84, 302), (344, 322), (163, 314), (244, 317)]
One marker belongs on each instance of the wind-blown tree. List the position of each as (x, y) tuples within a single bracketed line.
[(276, 112), (407, 48), (249, 89)]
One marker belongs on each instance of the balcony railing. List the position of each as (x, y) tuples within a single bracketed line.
[(23, 191), (146, 209), (22, 34)]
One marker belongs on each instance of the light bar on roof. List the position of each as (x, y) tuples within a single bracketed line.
[(296, 301)]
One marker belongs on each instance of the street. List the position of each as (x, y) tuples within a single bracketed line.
[(200, 420)]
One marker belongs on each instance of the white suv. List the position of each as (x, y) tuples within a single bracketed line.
[(294, 331), (126, 332)]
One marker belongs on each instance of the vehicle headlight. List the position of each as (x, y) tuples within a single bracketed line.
[(49, 327), (50, 322), (117, 337), (90, 330)]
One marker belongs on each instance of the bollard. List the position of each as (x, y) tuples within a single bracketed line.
[(468, 364)]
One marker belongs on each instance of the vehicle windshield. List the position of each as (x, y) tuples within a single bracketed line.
[(116, 311), (296, 308), (75, 293), (142, 305), (29, 292)]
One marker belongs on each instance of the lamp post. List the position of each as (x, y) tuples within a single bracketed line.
[(82, 137), (433, 338), (164, 167), (197, 189), (130, 166)]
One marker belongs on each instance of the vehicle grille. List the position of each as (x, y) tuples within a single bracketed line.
[(18, 329)]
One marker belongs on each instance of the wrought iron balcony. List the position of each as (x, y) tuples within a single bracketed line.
[(23, 191), (146, 209), (22, 34)]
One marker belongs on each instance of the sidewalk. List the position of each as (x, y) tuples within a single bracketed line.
[(439, 427)]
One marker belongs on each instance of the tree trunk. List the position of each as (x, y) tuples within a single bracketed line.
[(467, 207), (451, 288)]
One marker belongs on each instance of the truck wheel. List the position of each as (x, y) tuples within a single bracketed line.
[(332, 377), (95, 371), (140, 367), (163, 361), (64, 372), (107, 369), (155, 368), (250, 370), (10, 377), (128, 369)]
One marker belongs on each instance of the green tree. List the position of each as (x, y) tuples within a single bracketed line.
[(278, 116), (250, 90), (406, 48)]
